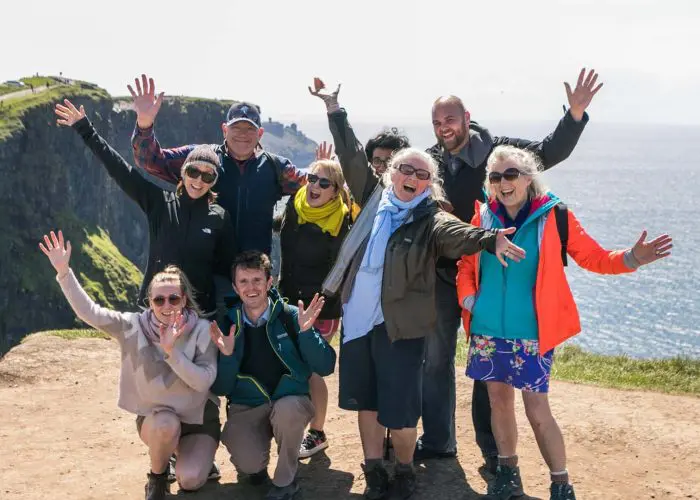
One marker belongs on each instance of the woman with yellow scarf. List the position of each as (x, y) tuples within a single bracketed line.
[(315, 222)]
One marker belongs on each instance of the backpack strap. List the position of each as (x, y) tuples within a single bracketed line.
[(279, 168), (562, 216)]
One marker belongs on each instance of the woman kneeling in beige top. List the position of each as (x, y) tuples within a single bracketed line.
[(168, 365)]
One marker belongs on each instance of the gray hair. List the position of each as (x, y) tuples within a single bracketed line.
[(526, 162), (403, 156)]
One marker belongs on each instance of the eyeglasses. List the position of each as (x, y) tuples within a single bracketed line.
[(194, 173), (509, 174), (174, 300), (420, 173), (378, 162), (323, 183)]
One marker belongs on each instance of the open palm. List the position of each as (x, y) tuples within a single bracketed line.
[(58, 252), (68, 114), (581, 96), (225, 343), (307, 317), (146, 102)]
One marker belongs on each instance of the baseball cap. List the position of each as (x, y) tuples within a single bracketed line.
[(244, 111)]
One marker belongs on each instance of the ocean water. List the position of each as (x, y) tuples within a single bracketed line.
[(620, 180)]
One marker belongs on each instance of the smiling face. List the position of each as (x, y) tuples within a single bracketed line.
[(407, 185), (198, 187), (316, 196), (252, 286), (165, 293), (380, 159), (451, 125), (241, 139), (511, 192)]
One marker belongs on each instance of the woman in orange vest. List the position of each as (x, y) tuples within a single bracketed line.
[(515, 315)]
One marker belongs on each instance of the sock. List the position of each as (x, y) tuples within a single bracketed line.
[(164, 473), (404, 467), (560, 477), (511, 461), (371, 463)]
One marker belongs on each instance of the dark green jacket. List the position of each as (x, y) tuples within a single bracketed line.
[(310, 353)]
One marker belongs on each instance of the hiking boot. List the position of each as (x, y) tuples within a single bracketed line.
[(560, 491), (314, 442), (157, 486), (491, 465), (377, 482), (404, 482), (258, 478), (422, 453), (284, 493), (507, 484)]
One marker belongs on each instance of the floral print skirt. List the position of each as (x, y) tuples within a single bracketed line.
[(514, 362)]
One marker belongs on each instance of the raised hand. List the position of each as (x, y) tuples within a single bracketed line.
[(68, 114), (226, 344), (307, 317), (505, 248), (331, 99), (169, 334), (324, 151), (648, 252), (582, 95), (146, 102), (57, 252)]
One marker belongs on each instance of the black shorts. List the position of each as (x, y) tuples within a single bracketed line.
[(378, 375), (210, 426)]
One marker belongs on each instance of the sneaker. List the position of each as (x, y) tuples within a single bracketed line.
[(258, 478), (422, 453), (507, 484), (285, 493), (377, 482), (171, 469), (314, 442), (404, 482), (214, 473), (157, 486), (560, 491)]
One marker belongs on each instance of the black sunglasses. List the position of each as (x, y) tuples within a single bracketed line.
[(509, 174), (174, 300), (193, 173), (420, 173), (323, 183)]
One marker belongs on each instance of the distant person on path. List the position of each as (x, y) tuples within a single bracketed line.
[(168, 365), (267, 355), (516, 315), (461, 152), (187, 228), (251, 180), (386, 270), (313, 226)]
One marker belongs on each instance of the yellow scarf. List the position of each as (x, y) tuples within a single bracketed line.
[(328, 217)]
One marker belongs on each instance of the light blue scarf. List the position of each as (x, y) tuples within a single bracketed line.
[(364, 309)]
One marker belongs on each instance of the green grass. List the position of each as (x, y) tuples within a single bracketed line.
[(677, 375), (71, 334)]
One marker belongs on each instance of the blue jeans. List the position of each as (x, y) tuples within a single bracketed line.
[(439, 397)]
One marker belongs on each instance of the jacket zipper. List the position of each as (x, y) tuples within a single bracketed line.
[(267, 334)]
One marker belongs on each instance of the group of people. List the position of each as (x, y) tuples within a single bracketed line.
[(403, 245)]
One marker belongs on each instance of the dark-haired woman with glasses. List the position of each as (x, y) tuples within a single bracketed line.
[(516, 315), (187, 228), (168, 363), (314, 224)]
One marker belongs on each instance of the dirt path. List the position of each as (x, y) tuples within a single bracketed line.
[(62, 436), (21, 93)]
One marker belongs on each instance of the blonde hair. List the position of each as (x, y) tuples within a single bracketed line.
[(335, 175), (173, 274), (526, 162), (403, 156)]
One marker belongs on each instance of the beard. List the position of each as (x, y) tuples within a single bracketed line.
[(454, 142)]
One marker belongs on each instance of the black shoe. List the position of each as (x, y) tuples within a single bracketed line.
[(507, 484), (377, 482), (491, 465), (171, 469), (421, 453), (560, 491), (404, 482), (157, 486), (214, 473), (284, 493), (258, 478)]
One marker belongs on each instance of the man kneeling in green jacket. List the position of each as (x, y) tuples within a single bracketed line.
[(264, 366)]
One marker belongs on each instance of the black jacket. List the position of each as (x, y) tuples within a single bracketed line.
[(465, 187), (308, 254), (195, 235)]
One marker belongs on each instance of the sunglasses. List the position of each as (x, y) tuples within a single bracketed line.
[(193, 173), (509, 174), (407, 169), (323, 183), (159, 300)]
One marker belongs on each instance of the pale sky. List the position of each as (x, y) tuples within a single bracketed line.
[(507, 59)]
